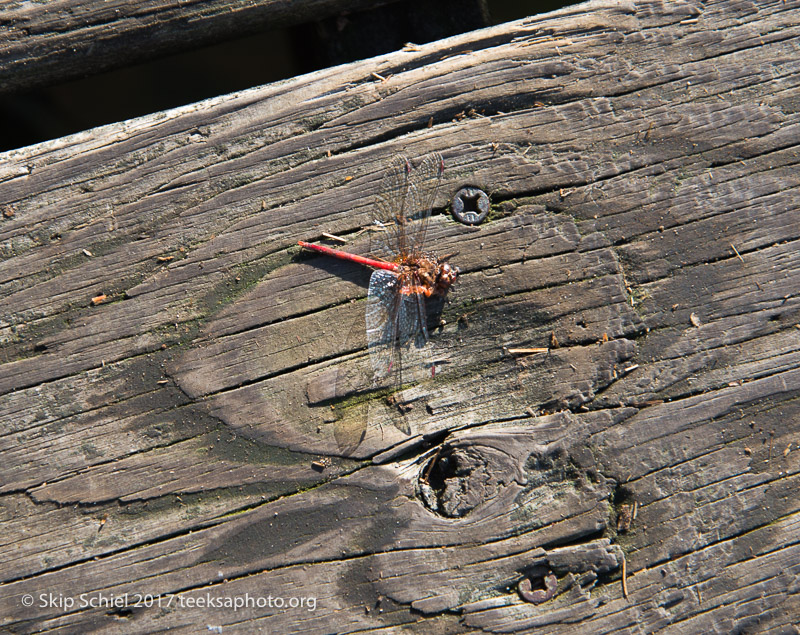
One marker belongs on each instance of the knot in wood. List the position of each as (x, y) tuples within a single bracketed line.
[(459, 478)]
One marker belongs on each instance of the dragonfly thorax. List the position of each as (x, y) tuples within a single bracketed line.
[(425, 275)]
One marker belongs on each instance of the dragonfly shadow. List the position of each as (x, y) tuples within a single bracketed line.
[(435, 307), (353, 399), (349, 272)]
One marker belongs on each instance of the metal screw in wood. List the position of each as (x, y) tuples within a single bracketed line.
[(470, 205)]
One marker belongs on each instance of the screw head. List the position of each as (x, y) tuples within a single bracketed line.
[(538, 596), (470, 205)]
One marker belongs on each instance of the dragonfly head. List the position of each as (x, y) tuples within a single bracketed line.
[(446, 276)]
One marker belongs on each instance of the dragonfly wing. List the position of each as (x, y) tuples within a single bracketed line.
[(395, 323), (423, 187), (412, 341), (403, 206), (412, 362), (353, 378), (397, 340), (384, 302), (350, 428), (390, 206)]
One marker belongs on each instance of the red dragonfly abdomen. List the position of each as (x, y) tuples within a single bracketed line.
[(343, 255)]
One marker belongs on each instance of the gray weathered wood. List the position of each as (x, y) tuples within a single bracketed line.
[(49, 42), (170, 440)]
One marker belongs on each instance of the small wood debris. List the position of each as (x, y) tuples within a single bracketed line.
[(626, 516), (527, 351), (431, 463), (553, 340), (648, 402), (164, 258), (469, 112), (334, 237), (87, 253), (321, 464), (8, 211), (736, 251), (99, 299), (624, 577), (463, 320), (695, 320)]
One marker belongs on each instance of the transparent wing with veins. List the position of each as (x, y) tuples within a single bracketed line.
[(403, 206), (394, 321), (397, 335)]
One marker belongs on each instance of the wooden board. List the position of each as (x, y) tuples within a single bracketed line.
[(50, 42), (171, 450)]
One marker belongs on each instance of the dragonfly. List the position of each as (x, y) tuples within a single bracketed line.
[(404, 276)]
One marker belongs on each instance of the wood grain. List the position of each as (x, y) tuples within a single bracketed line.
[(177, 439)]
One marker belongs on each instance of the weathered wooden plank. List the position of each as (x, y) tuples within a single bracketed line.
[(643, 162), (44, 43)]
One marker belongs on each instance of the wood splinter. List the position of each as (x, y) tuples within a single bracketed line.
[(527, 351), (624, 577)]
